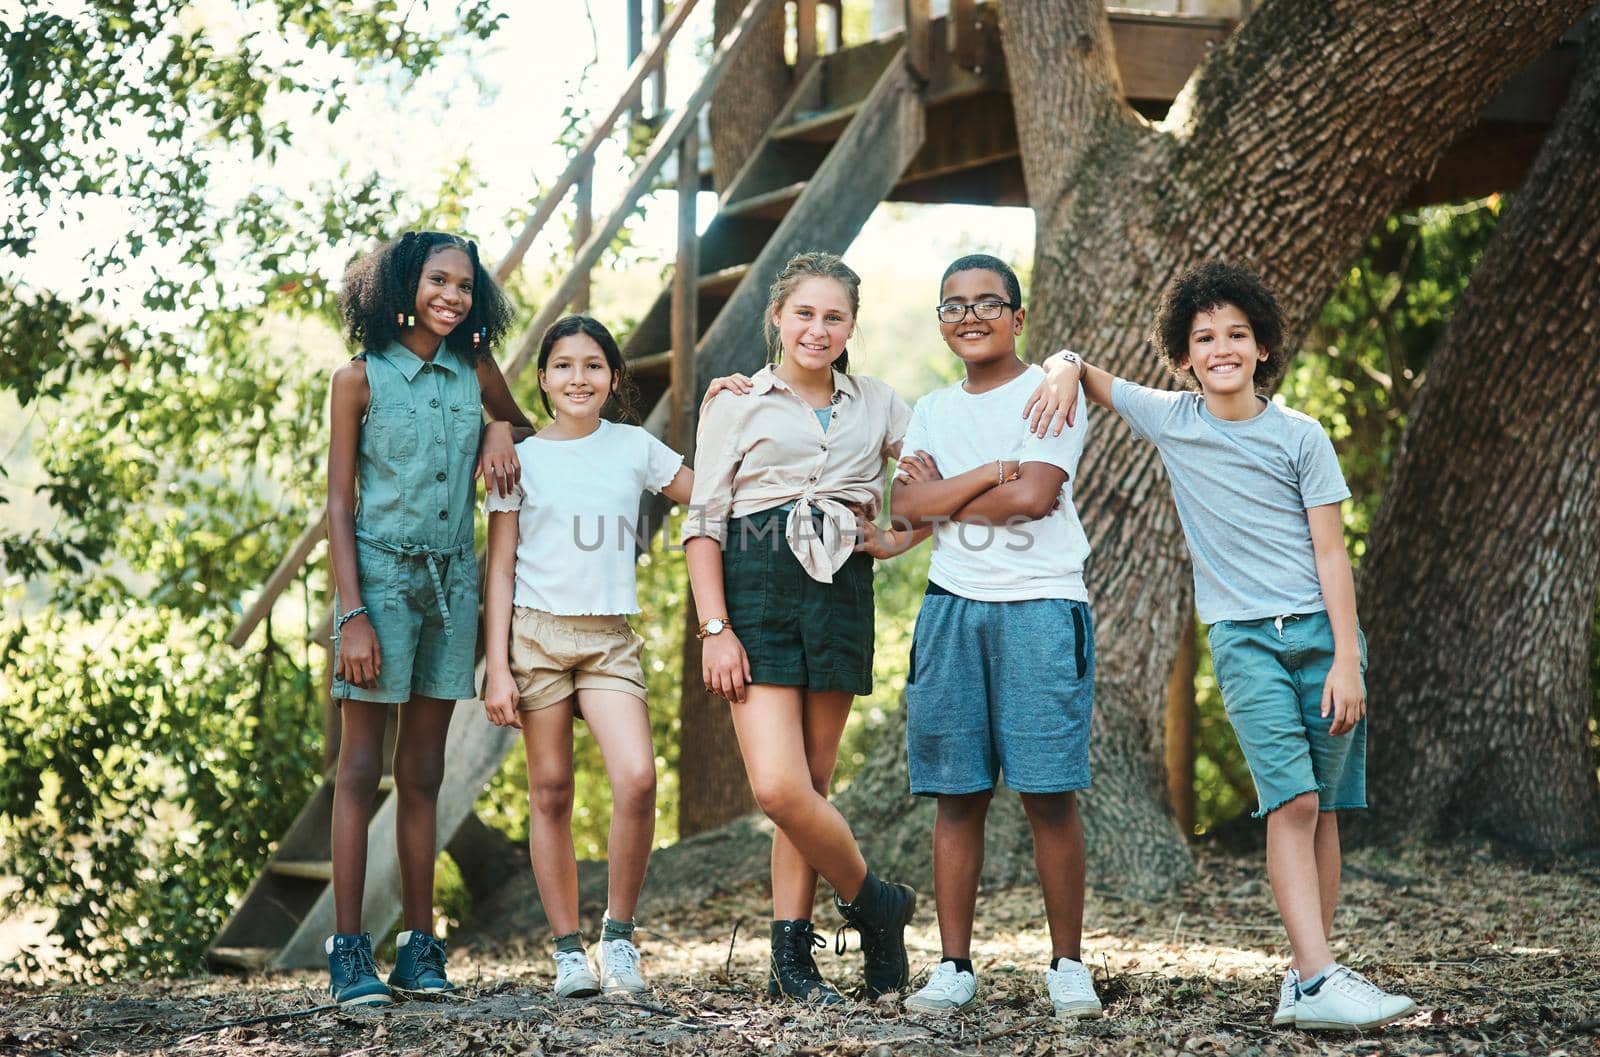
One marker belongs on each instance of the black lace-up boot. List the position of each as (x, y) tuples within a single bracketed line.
[(881, 912), (794, 971)]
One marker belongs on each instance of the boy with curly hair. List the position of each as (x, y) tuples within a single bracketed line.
[(1258, 489)]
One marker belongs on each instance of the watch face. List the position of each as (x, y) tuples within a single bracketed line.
[(714, 626)]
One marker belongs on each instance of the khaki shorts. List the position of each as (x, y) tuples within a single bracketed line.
[(552, 656)]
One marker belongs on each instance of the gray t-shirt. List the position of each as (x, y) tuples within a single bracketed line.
[(1242, 490)]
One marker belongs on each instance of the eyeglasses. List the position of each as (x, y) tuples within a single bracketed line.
[(953, 312)]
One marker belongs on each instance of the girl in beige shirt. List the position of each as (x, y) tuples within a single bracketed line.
[(779, 545)]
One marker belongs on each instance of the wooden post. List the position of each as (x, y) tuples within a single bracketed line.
[(919, 40), (964, 23), (635, 20), (836, 38), (1180, 731), (659, 82), (805, 36), (685, 296), (583, 227)]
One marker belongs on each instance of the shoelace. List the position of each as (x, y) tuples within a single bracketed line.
[(945, 981), (431, 956), (571, 961), (1353, 983), (798, 954), (357, 960), (622, 957)]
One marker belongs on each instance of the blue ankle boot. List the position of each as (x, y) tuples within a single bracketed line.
[(419, 964), (352, 974)]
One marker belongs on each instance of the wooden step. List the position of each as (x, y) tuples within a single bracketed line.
[(770, 205), (724, 282), (307, 869), (250, 959), (655, 363), (817, 126)]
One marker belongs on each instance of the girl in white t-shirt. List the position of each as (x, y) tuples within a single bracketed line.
[(558, 644)]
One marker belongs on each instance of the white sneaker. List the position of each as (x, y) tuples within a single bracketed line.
[(619, 967), (1071, 989), (947, 990), (573, 978), (1285, 1013), (1348, 1001)]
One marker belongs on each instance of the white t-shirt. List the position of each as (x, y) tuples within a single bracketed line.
[(1002, 563), (578, 518)]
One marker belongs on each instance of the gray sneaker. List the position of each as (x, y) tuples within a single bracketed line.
[(1284, 1016), (619, 968), (1071, 989), (946, 991), (573, 978), (1347, 1001)]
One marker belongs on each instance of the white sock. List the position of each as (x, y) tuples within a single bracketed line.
[(403, 939)]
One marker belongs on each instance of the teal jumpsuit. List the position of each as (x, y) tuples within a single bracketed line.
[(414, 509)]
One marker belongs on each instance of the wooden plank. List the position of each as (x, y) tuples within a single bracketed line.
[(968, 45), (919, 39), (643, 178), (685, 299), (805, 35), (250, 959), (1156, 54), (306, 869), (723, 281), (641, 68), (773, 205), (281, 577), (582, 228), (658, 102)]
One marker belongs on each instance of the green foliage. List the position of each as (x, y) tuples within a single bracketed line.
[(146, 767), (144, 771)]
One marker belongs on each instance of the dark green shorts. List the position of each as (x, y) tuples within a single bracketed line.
[(797, 631)]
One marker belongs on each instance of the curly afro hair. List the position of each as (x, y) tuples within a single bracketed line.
[(382, 286), (1204, 288)]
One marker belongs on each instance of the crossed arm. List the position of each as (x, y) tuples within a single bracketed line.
[(924, 498)]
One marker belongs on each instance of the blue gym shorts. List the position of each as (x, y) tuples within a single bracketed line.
[(1270, 672), (999, 688)]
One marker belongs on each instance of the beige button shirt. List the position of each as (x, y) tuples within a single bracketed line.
[(765, 449)]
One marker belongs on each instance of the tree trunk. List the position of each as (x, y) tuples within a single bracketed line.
[(755, 88), (1479, 585), (1288, 146)]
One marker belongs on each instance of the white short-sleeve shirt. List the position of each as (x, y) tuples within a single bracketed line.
[(578, 518)]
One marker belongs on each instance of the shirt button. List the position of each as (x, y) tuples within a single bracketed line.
[(438, 440), (811, 480), (455, 407), (439, 476), (824, 447), (433, 403), (427, 368), (444, 515)]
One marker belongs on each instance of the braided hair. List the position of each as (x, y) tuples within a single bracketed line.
[(381, 287)]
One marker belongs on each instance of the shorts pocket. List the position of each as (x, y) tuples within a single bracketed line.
[(1080, 643)]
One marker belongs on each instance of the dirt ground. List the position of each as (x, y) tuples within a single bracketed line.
[(1502, 955)]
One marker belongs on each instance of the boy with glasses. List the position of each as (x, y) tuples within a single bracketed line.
[(982, 698)]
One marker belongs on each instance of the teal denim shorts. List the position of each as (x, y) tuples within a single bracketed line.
[(1271, 672), (418, 652)]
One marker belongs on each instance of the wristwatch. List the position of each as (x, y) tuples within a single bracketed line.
[(714, 626), (1068, 356)]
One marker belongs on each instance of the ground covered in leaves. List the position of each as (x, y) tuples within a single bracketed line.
[(1502, 955)]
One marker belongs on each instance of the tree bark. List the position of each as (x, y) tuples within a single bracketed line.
[(1479, 585), (755, 88), (1285, 150)]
